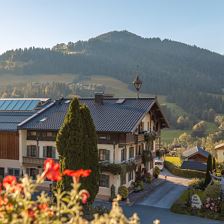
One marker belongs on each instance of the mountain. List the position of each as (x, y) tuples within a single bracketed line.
[(190, 76)]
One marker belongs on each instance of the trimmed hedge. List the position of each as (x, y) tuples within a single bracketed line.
[(182, 172)]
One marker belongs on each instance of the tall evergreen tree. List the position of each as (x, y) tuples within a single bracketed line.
[(90, 153), (209, 169), (70, 141), (77, 146)]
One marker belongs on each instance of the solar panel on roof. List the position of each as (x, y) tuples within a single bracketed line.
[(5, 105), (18, 105)]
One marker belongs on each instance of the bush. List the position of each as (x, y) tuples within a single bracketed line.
[(123, 192), (148, 178), (17, 205), (184, 173), (112, 192), (197, 184), (213, 190), (138, 186), (156, 171)]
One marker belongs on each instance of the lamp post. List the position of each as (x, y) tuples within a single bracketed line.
[(137, 84)]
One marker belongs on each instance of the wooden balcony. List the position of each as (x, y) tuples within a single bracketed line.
[(139, 138), (35, 161)]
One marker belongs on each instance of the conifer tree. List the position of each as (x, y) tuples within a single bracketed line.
[(209, 169), (77, 146), (69, 141), (90, 153)]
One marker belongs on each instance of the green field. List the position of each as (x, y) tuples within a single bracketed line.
[(167, 135)]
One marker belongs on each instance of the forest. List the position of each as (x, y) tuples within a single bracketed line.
[(191, 77)]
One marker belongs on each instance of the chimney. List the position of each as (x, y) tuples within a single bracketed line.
[(99, 98)]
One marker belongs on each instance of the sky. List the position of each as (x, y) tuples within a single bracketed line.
[(44, 23)]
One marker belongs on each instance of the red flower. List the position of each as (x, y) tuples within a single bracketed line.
[(51, 170), (43, 207), (9, 181), (31, 213), (77, 173), (84, 195)]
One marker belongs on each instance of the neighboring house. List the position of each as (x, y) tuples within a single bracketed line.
[(122, 126), (196, 153), (219, 153), (195, 159), (13, 112)]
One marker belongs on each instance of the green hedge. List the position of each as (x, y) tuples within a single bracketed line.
[(183, 173)]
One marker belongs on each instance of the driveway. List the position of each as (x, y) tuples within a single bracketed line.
[(166, 194), (156, 205)]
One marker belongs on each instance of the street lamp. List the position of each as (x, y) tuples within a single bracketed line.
[(137, 84)]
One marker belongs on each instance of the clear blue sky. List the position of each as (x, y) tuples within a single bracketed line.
[(44, 23)]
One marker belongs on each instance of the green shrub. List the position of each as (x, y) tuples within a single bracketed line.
[(138, 186), (156, 171), (182, 172), (148, 178), (213, 190), (112, 192), (123, 192), (197, 184)]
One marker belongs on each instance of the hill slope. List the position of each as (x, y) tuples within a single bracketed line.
[(189, 76)]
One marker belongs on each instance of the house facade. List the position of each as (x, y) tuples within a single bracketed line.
[(13, 112), (124, 127), (219, 153)]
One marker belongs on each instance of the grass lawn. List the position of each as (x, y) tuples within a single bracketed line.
[(174, 160), (167, 135)]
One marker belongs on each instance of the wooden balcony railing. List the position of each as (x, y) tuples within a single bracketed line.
[(36, 161)]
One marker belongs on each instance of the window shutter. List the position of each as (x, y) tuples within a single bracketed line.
[(28, 150), (108, 155)]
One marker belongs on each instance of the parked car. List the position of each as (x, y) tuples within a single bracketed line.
[(159, 163)]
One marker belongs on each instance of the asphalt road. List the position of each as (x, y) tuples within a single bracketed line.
[(165, 195), (156, 205)]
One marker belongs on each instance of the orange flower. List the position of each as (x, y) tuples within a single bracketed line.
[(9, 181), (43, 207), (51, 170), (77, 173), (84, 195)]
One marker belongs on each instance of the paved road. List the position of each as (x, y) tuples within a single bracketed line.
[(165, 195), (157, 204)]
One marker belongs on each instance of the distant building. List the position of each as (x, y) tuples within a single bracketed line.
[(121, 124), (219, 153), (195, 159), (13, 112), (196, 153)]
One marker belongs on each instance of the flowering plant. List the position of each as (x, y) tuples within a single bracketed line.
[(17, 205)]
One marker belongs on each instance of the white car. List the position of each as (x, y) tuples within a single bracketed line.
[(159, 163)]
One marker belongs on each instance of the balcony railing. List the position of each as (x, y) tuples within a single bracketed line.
[(139, 138), (34, 160)]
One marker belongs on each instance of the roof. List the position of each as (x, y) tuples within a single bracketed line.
[(14, 111), (195, 150), (193, 165), (114, 115), (219, 145)]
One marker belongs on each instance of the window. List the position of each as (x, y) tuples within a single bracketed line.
[(32, 133), (32, 151), (123, 154), (2, 172), (49, 152), (104, 180), (130, 175), (49, 134), (32, 172), (131, 152), (123, 178), (14, 172), (104, 155)]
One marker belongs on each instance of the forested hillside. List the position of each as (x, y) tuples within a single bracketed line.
[(191, 77)]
